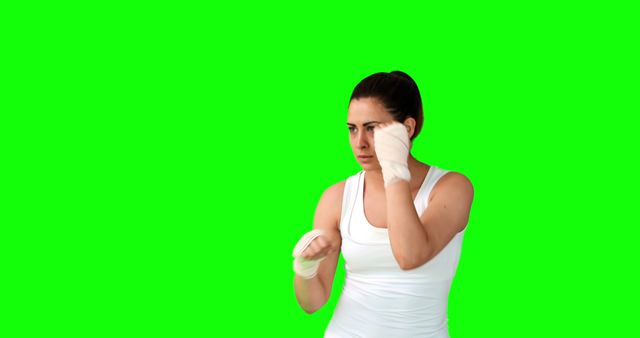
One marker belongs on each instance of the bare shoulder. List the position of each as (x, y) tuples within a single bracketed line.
[(327, 216), (333, 194), (454, 184)]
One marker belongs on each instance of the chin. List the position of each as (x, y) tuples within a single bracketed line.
[(370, 166)]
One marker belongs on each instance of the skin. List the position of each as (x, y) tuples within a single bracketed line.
[(415, 239)]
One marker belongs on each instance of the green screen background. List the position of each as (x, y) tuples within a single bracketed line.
[(161, 160)]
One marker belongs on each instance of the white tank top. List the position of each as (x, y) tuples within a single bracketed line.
[(378, 298)]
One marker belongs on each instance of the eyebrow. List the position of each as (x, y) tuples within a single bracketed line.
[(364, 124)]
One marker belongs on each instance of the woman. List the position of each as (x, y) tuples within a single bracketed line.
[(399, 224)]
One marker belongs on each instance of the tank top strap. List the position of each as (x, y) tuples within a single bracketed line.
[(351, 187), (433, 176), (349, 197)]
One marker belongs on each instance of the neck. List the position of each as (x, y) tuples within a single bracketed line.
[(374, 176)]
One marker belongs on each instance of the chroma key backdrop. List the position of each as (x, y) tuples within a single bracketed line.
[(162, 159)]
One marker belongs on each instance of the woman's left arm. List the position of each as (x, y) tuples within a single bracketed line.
[(417, 239)]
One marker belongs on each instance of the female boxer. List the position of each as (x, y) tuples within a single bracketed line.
[(399, 224)]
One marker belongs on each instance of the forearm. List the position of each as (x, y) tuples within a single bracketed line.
[(310, 293), (409, 240)]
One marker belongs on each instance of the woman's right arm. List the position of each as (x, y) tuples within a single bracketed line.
[(313, 293)]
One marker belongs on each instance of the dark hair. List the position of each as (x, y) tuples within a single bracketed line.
[(397, 92)]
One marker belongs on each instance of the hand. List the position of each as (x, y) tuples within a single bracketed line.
[(310, 250), (391, 142)]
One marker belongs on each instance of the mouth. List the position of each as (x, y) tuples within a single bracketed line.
[(364, 157)]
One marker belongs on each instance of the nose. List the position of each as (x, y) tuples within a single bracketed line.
[(362, 142)]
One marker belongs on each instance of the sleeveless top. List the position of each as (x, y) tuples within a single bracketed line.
[(378, 298)]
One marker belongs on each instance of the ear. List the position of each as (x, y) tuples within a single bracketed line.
[(410, 123)]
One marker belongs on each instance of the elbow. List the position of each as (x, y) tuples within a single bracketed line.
[(313, 306), (310, 311), (404, 265), (413, 261)]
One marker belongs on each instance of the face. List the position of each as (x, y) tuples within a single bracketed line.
[(363, 116)]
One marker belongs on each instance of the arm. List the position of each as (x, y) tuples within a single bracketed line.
[(313, 293), (416, 240)]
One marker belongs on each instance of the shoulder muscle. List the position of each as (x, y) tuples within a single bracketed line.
[(327, 215)]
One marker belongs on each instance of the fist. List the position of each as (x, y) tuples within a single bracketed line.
[(311, 249), (391, 142), (313, 246)]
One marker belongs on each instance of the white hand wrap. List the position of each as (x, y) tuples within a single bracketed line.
[(306, 268), (392, 149)]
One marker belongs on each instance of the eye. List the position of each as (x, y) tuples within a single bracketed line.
[(370, 128), (352, 129)]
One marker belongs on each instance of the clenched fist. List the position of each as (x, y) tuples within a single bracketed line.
[(310, 250), (392, 149)]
